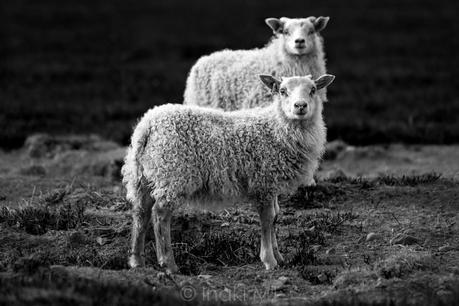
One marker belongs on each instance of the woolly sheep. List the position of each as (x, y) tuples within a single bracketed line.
[(228, 79), (182, 154)]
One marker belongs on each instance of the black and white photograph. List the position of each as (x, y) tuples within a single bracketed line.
[(234, 152)]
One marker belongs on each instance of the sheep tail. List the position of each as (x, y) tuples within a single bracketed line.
[(132, 170), (191, 90)]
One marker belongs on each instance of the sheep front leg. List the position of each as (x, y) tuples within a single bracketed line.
[(267, 218), (277, 254), (309, 180), (140, 217), (162, 226)]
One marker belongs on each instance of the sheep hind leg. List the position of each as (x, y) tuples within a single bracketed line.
[(277, 254), (162, 226), (266, 252), (141, 216)]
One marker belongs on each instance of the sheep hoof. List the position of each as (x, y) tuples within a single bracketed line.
[(170, 268), (270, 265), (279, 258), (136, 261), (169, 265), (311, 183)]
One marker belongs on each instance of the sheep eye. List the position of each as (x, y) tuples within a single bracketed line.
[(286, 32), (313, 91), (310, 32), (283, 91)]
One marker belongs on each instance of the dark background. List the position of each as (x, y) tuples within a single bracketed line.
[(94, 66)]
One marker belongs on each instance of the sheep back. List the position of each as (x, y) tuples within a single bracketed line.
[(229, 79), (190, 152)]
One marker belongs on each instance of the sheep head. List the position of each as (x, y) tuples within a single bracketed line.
[(298, 96), (298, 35)]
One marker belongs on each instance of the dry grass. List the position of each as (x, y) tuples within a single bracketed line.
[(85, 226), (404, 262)]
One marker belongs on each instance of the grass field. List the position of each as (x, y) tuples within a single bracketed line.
[(95, 66), (383, 229)]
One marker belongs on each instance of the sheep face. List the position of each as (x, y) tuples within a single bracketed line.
[(298, 96), (299, 35)]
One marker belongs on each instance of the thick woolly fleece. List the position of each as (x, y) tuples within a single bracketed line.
[(195, 155), (228, 79)]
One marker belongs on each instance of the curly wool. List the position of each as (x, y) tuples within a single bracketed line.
[(205, 155), (228, 79)]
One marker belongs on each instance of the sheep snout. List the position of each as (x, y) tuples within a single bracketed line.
[(300, 43), (301, 108)]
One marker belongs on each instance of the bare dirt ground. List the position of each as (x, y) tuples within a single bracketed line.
[(380, 228)]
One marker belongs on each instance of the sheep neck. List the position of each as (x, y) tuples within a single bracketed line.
[(307, 137)]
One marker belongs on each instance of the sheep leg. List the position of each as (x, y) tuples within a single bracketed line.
[(277, 254), (162, 225), (266, 252), (140, 217), (309, 178)]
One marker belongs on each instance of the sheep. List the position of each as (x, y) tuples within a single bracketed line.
[(227, 79), (186, 154)]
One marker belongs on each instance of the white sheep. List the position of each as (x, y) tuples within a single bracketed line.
[(183, 154), (228, 79)]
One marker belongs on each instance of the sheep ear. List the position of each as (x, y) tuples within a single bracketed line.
[(324, 81), (271, 82), (275, 24), (320, 23)]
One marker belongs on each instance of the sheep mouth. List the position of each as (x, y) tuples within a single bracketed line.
[(301, 49), (300, 112)]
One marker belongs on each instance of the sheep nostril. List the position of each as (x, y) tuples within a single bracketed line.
[(299, 41), (300, 105)]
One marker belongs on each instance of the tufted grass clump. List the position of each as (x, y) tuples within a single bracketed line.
[(404, 262), (37, 220), (409, 180)]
